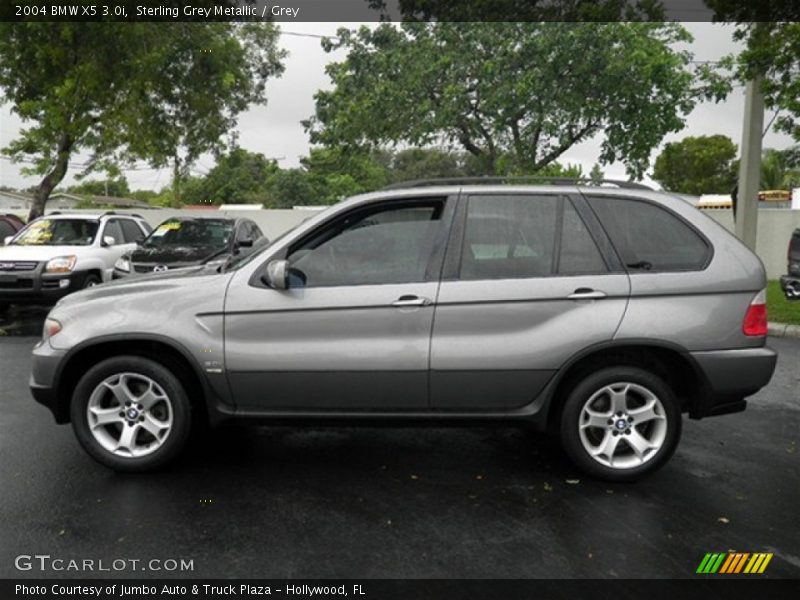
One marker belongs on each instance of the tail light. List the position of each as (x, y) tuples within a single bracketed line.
[(755, 319)]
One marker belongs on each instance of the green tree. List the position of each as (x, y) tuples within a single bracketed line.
[(239, 177), (291, 187), (426, 163), (336, 173), (596, 174), (109, 187), (529, 10), (143, 195), (162, 92), (773, 50), (697, 165), (780, 169), (515, 96)]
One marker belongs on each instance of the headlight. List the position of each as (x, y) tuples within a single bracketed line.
[(51, 327), (123, 264), (60, 264)]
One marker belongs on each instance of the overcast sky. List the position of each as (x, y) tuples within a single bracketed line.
[(275, 129)]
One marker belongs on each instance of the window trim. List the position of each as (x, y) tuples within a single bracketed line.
[(623, 250), (455, 253), (435, 261)]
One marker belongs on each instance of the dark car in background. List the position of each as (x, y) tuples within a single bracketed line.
[(181, 242), (790, 283), (9, 225)]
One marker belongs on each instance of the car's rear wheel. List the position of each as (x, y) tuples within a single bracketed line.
[(620, 423), (131, 414)]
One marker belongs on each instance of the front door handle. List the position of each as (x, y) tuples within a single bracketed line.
[(586, 294), (411, 300)]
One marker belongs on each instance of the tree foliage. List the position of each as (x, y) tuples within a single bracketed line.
[(239, 177), (780, 169), (117, 186), (773, 49), (697, 165), (516, 96), (164, 92), (526, 10)]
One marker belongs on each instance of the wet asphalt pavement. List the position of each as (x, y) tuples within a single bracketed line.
[(287, 502)]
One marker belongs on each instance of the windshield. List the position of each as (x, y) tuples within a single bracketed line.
[(200, 232), (58, 232)]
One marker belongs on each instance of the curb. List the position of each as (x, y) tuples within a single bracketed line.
[(783, 330)]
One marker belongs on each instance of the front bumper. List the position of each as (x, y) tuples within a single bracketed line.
[(731, 376), (45, 363), (790, 285), (37, 286)]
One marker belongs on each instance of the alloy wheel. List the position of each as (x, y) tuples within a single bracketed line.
[(622, 425), (129, 414)]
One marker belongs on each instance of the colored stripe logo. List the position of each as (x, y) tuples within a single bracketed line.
[(729, 563)]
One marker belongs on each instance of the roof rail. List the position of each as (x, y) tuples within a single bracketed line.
[(108, 212), (631, 185)]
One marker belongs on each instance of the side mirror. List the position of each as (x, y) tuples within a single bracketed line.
[(7, 240), (277, 274), (109, 240), (139, 241)]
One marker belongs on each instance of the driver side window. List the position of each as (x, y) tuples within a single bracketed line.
[(392, 244)]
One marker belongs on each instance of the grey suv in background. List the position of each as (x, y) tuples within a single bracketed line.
[(600, 314)]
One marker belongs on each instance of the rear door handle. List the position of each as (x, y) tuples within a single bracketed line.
[(411, 300), (586, 294)]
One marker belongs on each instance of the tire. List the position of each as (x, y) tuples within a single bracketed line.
[(611, 405), (90, 280), (142, 436)]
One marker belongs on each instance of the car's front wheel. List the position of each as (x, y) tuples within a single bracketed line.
[(131, 413), (620, 423)]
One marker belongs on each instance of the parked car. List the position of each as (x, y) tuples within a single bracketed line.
[(601, 314), (181, 242), (57, 254), (790, 283), (9, 225)]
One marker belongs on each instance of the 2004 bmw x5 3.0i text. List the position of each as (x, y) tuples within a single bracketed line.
[(598, 313)]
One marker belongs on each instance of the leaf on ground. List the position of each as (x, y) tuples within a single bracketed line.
[(724, 520)]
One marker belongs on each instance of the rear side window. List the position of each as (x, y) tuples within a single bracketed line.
[(649, 237), (522, 236)]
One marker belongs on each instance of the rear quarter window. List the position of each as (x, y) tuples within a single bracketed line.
[(650, 237)]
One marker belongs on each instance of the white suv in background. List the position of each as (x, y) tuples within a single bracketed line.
[(59, 253)]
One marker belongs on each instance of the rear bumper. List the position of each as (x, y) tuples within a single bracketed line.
[(731, 376)]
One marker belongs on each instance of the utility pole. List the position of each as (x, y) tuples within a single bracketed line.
[(750, 164)]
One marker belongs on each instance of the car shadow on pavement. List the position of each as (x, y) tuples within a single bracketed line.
[(22, 320)]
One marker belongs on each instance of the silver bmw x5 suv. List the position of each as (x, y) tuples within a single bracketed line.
[(601, 314)]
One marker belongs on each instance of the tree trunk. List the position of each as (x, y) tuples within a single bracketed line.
[(52, 179)]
